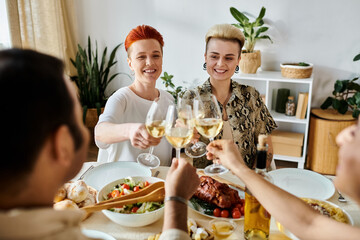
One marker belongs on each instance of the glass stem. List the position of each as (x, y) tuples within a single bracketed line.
[(148, 157), (151, 150), (178, 153)]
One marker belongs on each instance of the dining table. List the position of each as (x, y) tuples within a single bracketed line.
[(98, 221)]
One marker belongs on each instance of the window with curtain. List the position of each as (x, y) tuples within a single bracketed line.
[(45, 26), (4, 27)]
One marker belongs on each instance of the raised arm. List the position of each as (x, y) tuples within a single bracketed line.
[(108, 133), (290, 211), (181, 183)]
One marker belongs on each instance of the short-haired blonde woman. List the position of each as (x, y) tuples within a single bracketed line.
[(244, 113), (120, 133)]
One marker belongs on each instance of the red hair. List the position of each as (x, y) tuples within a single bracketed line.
[(142, 32)]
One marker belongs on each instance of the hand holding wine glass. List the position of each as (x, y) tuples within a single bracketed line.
[(178, 132), (209, 124), (155, 125)]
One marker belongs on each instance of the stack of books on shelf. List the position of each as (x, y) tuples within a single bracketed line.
[(302, 105)]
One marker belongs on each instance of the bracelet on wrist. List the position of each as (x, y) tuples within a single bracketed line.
[(177, 199)]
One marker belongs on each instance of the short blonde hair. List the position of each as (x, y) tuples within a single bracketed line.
[(227, 32)]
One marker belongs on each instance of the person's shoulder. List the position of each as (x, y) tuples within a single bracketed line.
[(244, 89), (122, 93)]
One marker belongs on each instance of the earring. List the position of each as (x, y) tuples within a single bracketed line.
[(237, 69), (204, 66)]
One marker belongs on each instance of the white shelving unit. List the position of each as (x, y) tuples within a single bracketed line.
[(267, 83)]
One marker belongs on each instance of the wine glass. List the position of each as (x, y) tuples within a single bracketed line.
[(155, 125), (197, 149), (179, 131), (209, 124)]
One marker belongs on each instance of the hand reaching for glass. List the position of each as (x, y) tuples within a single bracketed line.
[(182, 179), (140, 137), (226, 151)]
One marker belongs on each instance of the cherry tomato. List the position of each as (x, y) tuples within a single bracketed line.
[(224, 213), (146, 183), (238, 205), (136, 188), (242, 201), (109, 195), (236, 214), (235, 209), (242, 210), (134, 209), (115, 193), (217, 212), (125, 186)]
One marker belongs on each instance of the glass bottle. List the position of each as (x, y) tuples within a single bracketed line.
[(257, 219), (290, 106)]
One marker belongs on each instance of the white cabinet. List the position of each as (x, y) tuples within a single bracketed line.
[(267, 83)]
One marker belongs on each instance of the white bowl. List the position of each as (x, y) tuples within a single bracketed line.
[(105, 173), (130, 220), (292, 236)]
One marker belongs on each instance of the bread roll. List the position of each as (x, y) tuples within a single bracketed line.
[(89, 200), (77, 191), (60, 195), (65, 204)]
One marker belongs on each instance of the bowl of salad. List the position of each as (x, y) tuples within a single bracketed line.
[(133, 215)]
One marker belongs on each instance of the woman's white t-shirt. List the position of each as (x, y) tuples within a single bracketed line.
[(124, 106)]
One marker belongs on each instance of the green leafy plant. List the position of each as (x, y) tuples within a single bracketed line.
[(346, 95), (93, 75), (170, 86), (303, 64), (252, 30)]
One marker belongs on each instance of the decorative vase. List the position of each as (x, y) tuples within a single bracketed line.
[(250, 61)]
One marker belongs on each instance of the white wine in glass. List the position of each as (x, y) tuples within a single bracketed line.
[(209, 124), (198, 149), (178, 132), (155, 125)]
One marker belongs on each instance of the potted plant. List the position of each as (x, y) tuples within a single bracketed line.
[(93, 77), (346, 95), (250, 59), (170, 86), (296, 70)]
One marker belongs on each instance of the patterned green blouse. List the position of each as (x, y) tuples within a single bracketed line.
[(247, 115)]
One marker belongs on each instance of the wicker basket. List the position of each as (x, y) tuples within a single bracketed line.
[(293, 70)]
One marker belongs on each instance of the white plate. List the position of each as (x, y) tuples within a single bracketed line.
[(108, 172), (201, 211), (97, 234), (303, 183), (292, 236)]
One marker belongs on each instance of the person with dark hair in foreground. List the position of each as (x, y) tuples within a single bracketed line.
[(45, 144)]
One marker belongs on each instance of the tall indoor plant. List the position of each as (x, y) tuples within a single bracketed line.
[(253, 31), (93, 76)]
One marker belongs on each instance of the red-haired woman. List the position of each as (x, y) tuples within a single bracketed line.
[(120, 133)]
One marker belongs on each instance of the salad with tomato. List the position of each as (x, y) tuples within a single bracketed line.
[(129, 186)]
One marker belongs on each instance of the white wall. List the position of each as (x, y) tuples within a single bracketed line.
[(323, 32)]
